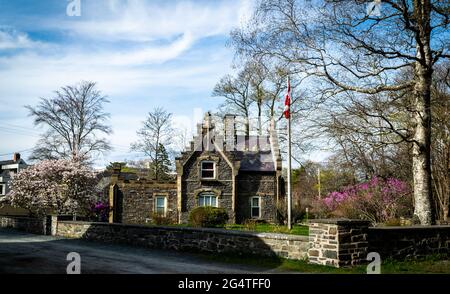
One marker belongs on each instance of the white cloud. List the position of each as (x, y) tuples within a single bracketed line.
[(11, 39), (132, 50), (143, 21), (158, 54)]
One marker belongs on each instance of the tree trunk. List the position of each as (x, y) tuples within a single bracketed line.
[(423, 197), (247, 125), (422, 148), (259, 118)]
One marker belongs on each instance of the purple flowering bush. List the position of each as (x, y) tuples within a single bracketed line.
[(379, 200), (100, 210)]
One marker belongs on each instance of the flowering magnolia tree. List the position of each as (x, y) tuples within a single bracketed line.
[(53, 186), (378, 200)]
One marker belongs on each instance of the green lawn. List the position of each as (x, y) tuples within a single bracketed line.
[(431, 265), (262, 228), (269, 228)]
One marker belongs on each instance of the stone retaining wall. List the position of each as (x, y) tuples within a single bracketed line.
[(410, 242), (343, 242), (333, 242), (190, 239), (27, 224)]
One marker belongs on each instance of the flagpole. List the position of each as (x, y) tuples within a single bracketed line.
[(289, 190)]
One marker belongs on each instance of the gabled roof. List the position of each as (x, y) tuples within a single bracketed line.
[(255, 161), (255, 153)]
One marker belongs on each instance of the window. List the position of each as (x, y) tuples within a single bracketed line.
[(2, 189), (255, 206), (160, 205), (207, 170), (207, 199)]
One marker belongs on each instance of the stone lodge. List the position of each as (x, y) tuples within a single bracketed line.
[(222, 169)]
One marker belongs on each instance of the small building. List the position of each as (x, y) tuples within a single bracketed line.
[(7, 169), (136, 200), (241, 174)]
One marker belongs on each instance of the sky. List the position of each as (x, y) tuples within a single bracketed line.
[(142, 54)]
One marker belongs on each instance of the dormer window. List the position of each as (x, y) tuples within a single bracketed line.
[(207, 170)]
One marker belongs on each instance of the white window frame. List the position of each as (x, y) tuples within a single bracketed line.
[(165, 204), (3, 189), (213, 169), (210, 196), (252, 206)]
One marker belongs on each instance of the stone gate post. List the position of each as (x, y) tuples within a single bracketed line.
[(338, 242)]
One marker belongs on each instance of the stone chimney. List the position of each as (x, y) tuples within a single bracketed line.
[(229, 131), (117, 167), (16, 157)]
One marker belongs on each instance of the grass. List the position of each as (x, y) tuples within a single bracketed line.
[(270, 228), (430, 265), (260, 228)]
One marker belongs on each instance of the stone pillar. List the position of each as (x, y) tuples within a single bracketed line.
[(54, 225), (338, 242), (50, 223)]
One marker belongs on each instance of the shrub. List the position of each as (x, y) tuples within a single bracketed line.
[(160, 220), (208, 216), (298, 213), (100, 211), (378, 200)]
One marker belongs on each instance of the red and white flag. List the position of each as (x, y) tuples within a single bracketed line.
[(287, 101)]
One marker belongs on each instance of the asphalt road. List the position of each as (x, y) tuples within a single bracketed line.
[(35, 254)]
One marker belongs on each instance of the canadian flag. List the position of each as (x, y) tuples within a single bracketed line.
[(287, 101)]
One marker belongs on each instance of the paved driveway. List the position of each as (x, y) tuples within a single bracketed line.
[(26, 253)]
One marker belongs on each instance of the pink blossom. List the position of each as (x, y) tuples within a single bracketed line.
[(377, 200), (53, 186)]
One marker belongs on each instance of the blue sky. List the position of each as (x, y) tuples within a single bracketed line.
[(141, 53)]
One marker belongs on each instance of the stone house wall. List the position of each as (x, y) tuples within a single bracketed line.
[(262, 185), (193, 185), (138, 200)]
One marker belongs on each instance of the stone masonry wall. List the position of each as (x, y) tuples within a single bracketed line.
[(338, 242), (409, 242), (254, 184), (192, 184), (27, 224), (138, 200), (189, 239)]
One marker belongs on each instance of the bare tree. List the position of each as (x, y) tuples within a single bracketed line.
[(154, 136), (236, 91), (351, 49), (74, 119), (440, 152), (258, 74)]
